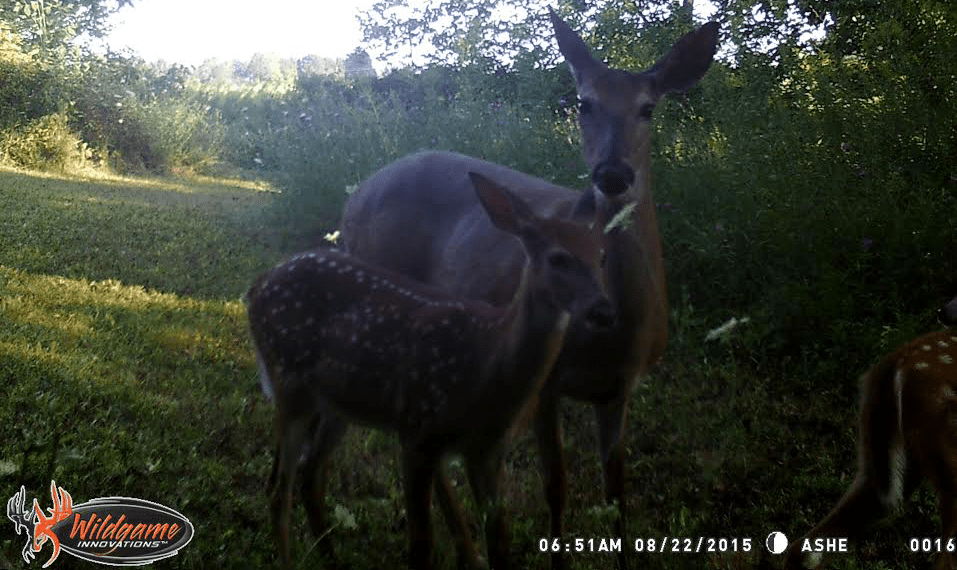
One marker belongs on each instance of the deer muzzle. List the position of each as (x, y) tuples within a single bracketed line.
[(601, 314), (613, 177)]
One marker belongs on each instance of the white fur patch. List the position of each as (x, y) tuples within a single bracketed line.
[(898, 464), (264, 380), (897, 458)]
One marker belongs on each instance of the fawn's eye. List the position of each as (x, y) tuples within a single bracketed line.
[(645, 111), (603, 257), (584, 106)]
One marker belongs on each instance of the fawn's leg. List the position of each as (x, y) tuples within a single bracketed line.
[(610, 419), (327, 433), (548, 433), (291, 433), (862, 503), (948, 516), (934, 443), (456, 519), (486, 471), (418, 469), (947, 491)]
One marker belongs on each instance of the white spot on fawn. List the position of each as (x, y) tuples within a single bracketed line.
[(945, 359)]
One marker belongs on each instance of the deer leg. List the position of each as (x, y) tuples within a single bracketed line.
[(485, 471), (610, 418), (274, 470), (948, 517), (288, 449), (860, 504), (549, 435), (940, 465), (418, 469), (327, 433), (455, 518)]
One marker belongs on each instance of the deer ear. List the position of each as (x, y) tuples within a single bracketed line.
[(506, 210), (687, 61), (576, 53)]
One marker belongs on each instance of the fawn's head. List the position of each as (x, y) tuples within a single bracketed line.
[(615, 106), (566, 256)]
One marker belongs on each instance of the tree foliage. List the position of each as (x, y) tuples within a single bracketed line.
[(456, 32), (52, 28)]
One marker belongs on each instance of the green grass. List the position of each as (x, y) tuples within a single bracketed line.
[(128, 371)]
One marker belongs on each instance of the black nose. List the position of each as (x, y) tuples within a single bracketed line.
[(601, 314), (613, 177)]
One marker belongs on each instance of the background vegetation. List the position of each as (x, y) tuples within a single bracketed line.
[(807, 183)]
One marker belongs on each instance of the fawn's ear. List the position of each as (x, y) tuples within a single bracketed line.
[(506, 210)]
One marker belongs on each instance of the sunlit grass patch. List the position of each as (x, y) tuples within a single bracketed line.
[(201, 240), (117, 390)]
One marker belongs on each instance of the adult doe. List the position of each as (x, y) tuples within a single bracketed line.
[(419, 216), (907, 431), (339, 340)]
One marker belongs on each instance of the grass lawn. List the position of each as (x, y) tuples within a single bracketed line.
[(127, 370)]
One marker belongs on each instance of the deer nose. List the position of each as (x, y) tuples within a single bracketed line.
[(601, 314), (613, 177)]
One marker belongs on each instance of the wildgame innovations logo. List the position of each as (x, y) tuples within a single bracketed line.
[(119, 531)]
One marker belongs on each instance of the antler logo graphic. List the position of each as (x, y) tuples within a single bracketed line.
[(39, 526), (23, 520), (118, 531)]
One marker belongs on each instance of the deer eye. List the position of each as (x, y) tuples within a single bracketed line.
[(603, 257), (560, 260), (584, 106), (645, 111)]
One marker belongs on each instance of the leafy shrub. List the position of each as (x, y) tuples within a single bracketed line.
[(141, 119), (328, 135), (44, 144), (26, 93), (165, 133), (832, 239)]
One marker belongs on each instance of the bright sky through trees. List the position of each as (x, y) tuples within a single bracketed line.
[(190, 31)]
